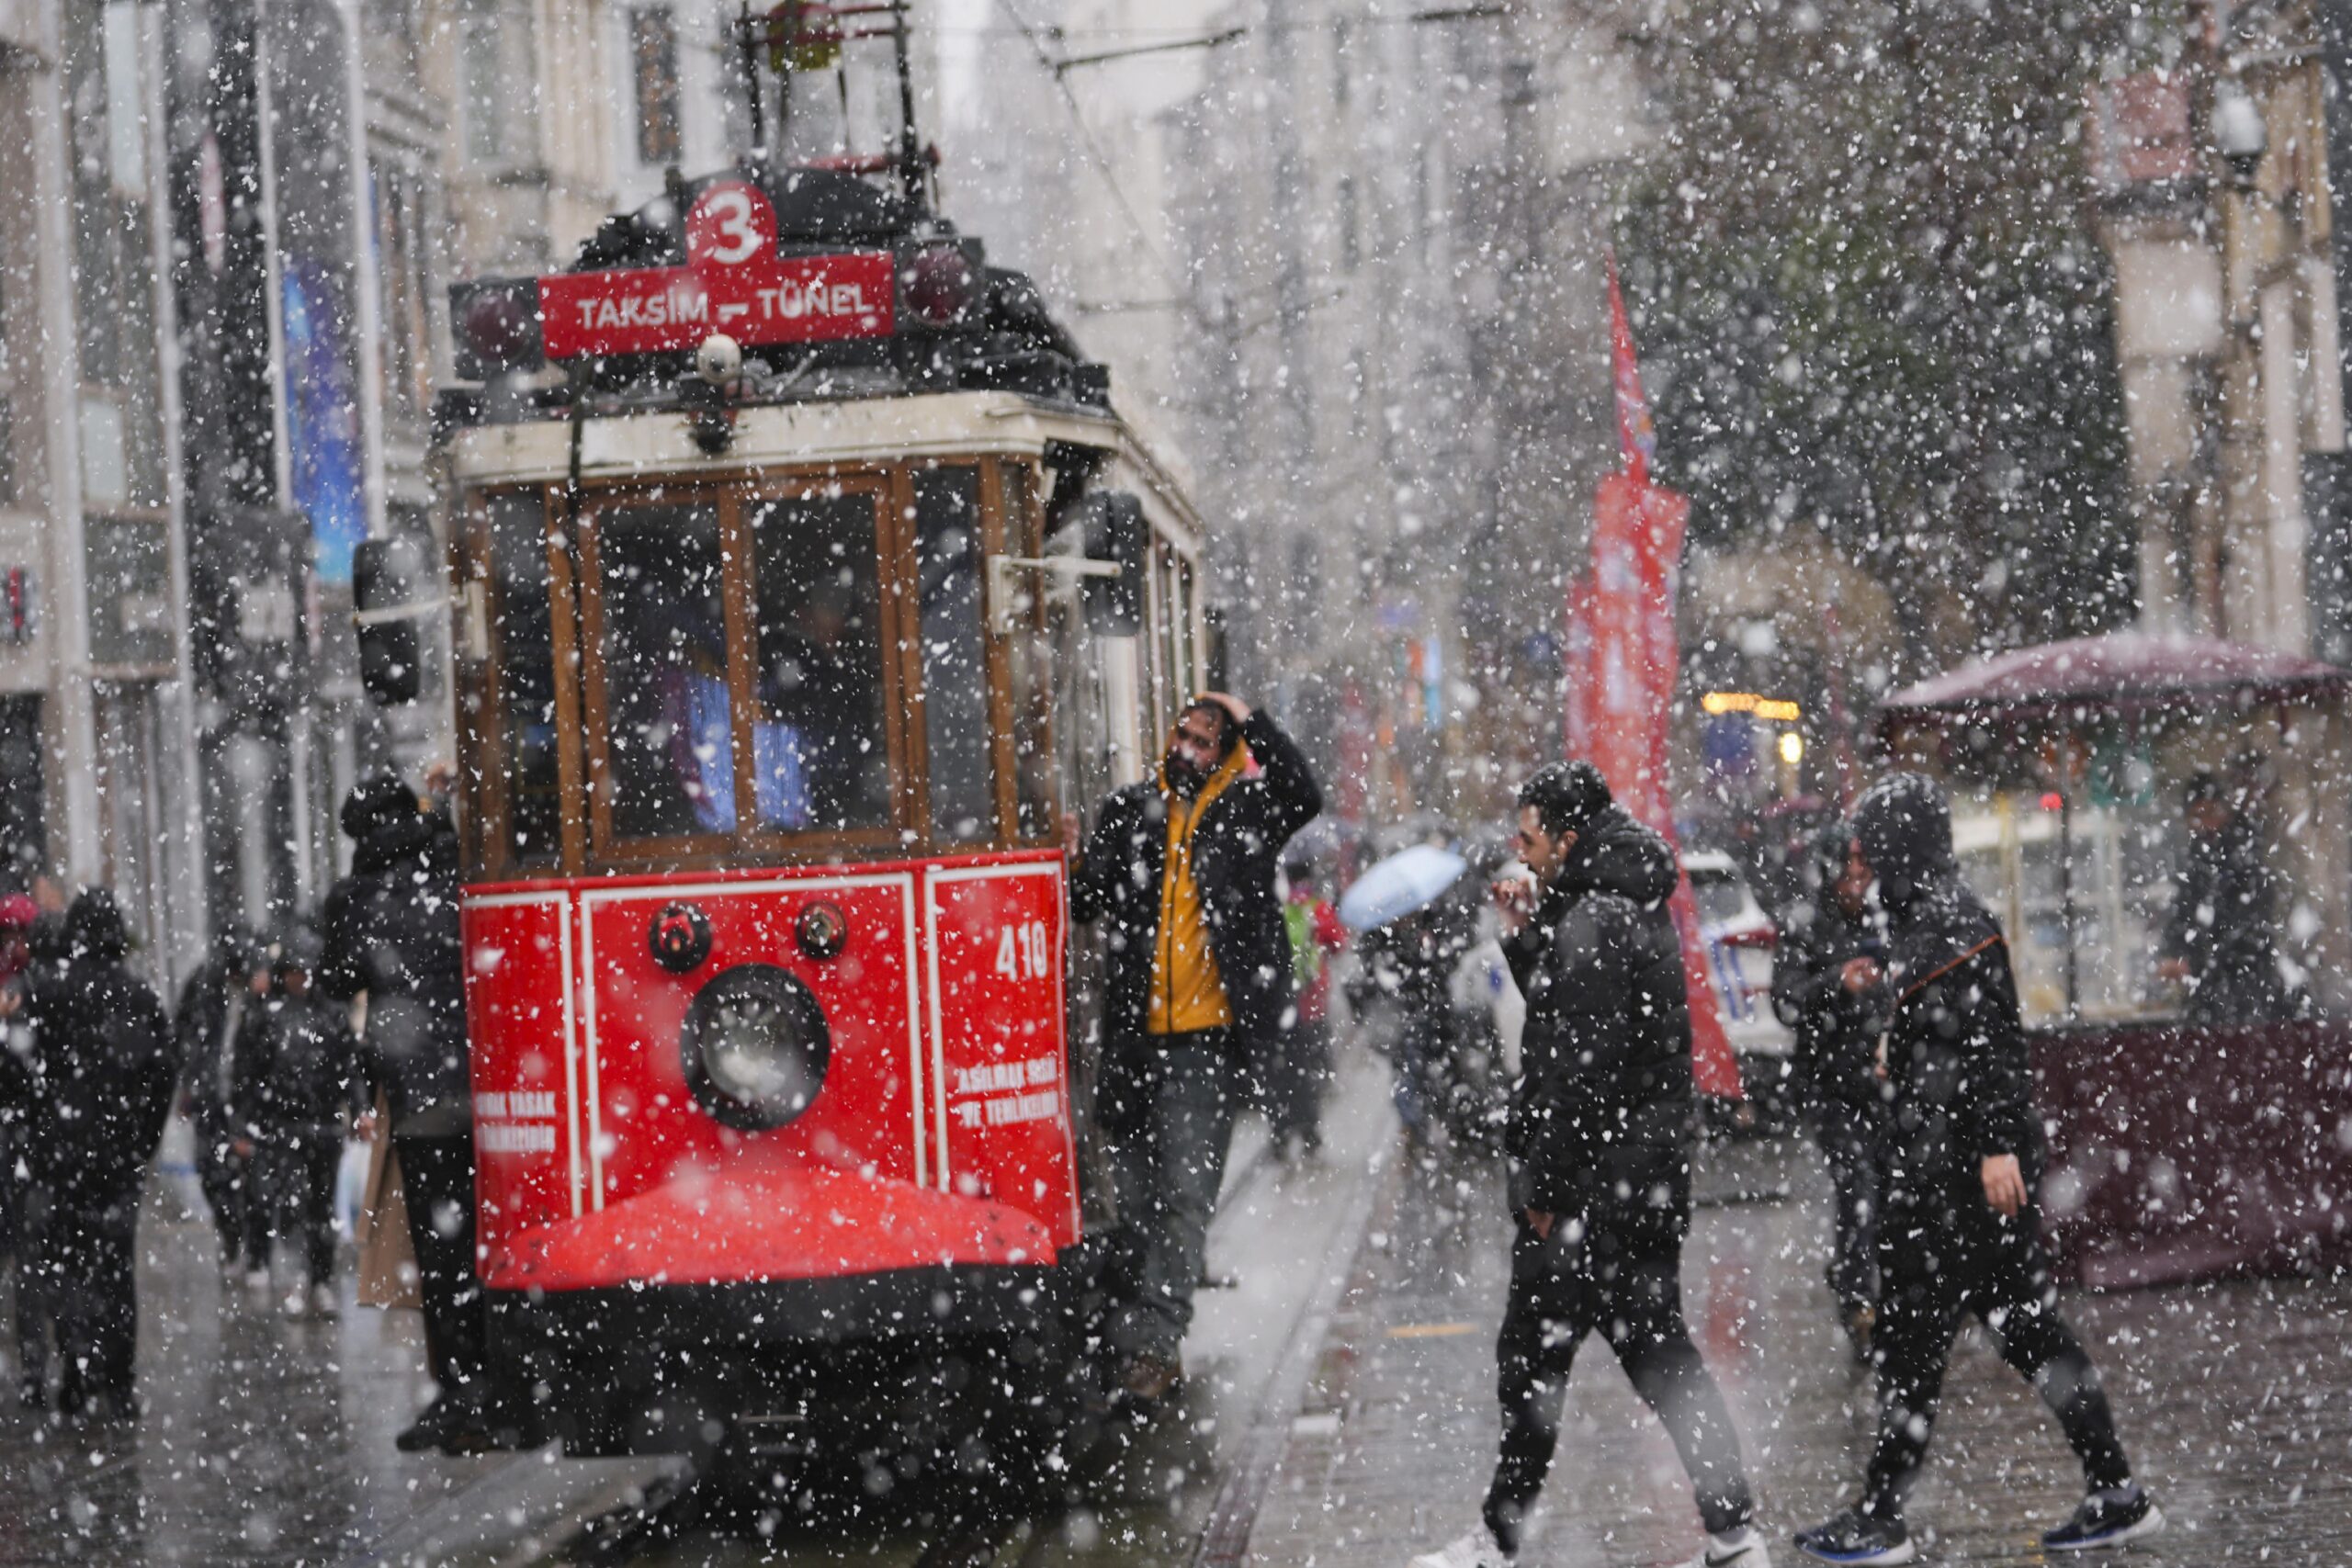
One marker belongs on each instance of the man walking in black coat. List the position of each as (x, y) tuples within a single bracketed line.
[(1180, 873), (1599, 1143), (101, 1078), (391, 929), (1962, 1230), (1824, 927)]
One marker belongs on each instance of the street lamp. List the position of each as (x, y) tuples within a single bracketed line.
[(2240, 133)]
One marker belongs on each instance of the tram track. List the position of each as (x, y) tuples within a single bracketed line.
[(1219, 1538)]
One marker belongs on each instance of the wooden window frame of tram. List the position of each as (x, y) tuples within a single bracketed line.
[(587, 844)]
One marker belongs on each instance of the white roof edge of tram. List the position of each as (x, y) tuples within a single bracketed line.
[(622, 446)]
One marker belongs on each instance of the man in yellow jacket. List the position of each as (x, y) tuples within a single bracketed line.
[(1179, 876)]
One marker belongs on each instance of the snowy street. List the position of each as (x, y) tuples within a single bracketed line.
[(1343, 1418)]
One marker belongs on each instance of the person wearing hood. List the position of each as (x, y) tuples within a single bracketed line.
[(1822, 927), (205, 1029), (1599, 1140), (1179, 872), (390, 931), (101, 1072), (1960, 1234)]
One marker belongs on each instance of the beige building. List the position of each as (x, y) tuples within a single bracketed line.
[(2216, 205)]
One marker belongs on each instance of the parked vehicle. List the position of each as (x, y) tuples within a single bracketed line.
[(1739, 938)]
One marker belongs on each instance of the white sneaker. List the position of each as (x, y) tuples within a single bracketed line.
[(1477, 1550), (323, 1301), (1742, 1548), (257, 1281)]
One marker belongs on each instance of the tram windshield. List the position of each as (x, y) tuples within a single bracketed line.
[(708, 673), (819, 757)]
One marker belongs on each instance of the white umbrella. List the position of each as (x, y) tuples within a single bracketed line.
[(1408, 880)]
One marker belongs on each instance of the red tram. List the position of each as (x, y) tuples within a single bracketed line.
[(804, 575)]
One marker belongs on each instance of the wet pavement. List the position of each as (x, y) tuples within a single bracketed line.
[(1338, 1408), (267, 1438), (2234, 1401)]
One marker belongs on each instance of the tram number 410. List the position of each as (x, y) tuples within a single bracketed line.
[(1024, 951)]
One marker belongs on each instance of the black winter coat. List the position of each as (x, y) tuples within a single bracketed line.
[(1956, 1056), (297, 1069), (2224, 924), (204, 1034), (391, 929), (1235, 849), (102, 1074), (1957, 1065), (1603, 1116), (1836, 1031)]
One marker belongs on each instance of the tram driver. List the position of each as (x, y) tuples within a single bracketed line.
[(1179, 872)]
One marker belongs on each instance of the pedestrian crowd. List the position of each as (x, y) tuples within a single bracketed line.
[(262, 1055), (1910, 1067)]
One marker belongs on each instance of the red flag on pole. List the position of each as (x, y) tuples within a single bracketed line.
[(1636, 436), (1628, 663)]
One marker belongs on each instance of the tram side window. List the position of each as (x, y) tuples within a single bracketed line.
[(669, 760), (954, 654), (819, 756), (1030, 672), (525, 634)]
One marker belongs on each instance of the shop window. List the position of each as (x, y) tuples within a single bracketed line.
[(653, 58)]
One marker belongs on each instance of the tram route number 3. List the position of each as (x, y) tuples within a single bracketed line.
[(1024, 952)]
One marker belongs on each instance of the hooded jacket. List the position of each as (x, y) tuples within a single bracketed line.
[(102, 1067), (1601, 1118), (1956, 1059), (1236, 845), (391, 929), (1836, 1031)]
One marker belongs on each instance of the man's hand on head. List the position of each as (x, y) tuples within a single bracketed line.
[(1234, 708)]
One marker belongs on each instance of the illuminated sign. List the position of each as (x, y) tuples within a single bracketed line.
[(1780, 709), (733, 282)]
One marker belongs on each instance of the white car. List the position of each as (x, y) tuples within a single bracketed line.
[(1739, 938)]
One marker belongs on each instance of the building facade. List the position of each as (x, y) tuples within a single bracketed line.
[(95, 765)]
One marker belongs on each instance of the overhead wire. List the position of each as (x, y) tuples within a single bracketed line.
[(1179, 285)]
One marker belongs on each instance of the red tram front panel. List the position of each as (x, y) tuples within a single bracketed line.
[(916, 1150), (995, 936), (529, 1160)]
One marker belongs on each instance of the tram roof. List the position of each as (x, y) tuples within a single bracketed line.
[(658, 444)]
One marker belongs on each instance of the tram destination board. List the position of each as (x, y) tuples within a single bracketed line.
[(733, 282)]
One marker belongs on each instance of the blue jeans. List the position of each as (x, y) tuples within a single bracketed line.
[(1165, 1104)]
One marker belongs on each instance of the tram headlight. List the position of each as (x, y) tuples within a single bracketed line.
[(756, 1046)]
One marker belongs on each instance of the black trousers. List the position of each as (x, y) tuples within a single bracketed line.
[(437, 1186), (1561, 1291), (297, 1172), (1853, 1144), (1944, 1255), (229, 1191), (87, 1290), (1297, 1070)]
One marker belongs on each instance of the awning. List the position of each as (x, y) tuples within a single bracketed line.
[(2117, 671)]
